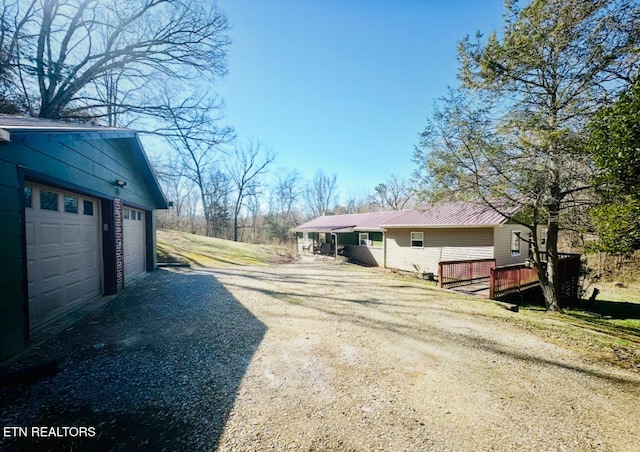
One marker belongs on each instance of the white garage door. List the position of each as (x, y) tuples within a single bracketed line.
[(134, 242), (63, 251)]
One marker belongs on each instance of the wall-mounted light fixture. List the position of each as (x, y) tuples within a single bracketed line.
[(120, 183)]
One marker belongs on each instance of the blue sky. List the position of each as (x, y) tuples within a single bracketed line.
[(343, 85)]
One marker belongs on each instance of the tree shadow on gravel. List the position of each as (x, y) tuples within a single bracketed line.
[(156, 368), (334, 306)]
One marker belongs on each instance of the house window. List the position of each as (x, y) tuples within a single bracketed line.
[(125, 213), (417, 240), (543, 237), (375, 239), (70, 204), (515, 243), (48, 200), (139, 215), (27, 196), (363, 239), (87, 207)]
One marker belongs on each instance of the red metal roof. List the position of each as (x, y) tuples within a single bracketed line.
[(354, 221), (450, 214)]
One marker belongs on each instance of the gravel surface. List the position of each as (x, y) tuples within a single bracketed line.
[(315, 356)]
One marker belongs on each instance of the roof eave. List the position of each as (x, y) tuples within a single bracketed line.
[(440, 226)]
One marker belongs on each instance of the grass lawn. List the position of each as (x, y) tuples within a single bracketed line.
[(201, 251), (608, 331)]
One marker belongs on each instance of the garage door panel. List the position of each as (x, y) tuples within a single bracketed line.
[(63, 257), (88, 234), (89, 262), (49, 235), (88, 284), (51, 268), (50, 299), (75, 292), (29, 235), (72, 234), (73, 262), (31, 272), (134, 243)]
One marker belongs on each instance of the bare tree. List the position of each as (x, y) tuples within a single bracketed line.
[(394, 194), (177, 188), (358, 203), (245, 166), (56, 52), (218, 188), (194, 135), (284, 196), (321, 193)]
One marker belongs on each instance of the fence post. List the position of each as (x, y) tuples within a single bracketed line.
[(492, 283), (439, 274)]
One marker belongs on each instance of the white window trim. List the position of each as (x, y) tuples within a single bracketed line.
[(514, 234), (364, 235), (411, 239)]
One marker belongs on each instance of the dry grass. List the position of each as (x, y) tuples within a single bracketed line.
[(201, 251), (608, 332)]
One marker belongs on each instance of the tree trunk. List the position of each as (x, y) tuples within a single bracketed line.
[(550, 282), (235, 227)]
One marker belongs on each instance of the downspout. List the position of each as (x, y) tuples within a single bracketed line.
[(384, 248)]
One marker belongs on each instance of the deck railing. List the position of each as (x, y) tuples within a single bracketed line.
[(569, 267), (460, 273), (508, 280), (511, 279)]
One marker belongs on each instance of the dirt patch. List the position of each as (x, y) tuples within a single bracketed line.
[(360, 359)]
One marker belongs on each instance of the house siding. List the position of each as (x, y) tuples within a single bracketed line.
[(365, 254), (439, 245), (502, 240)]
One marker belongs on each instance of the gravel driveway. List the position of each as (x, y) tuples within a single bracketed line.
[(315, 356)]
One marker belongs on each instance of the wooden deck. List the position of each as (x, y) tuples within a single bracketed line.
[(482, 278), (480, 289)]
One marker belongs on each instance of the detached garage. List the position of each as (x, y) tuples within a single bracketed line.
[(77, 209)]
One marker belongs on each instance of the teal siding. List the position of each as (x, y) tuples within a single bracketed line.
[(92, 166), (12, 276), (348, 238)]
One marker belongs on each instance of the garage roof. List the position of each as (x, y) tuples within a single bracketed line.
[(18, 128)]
